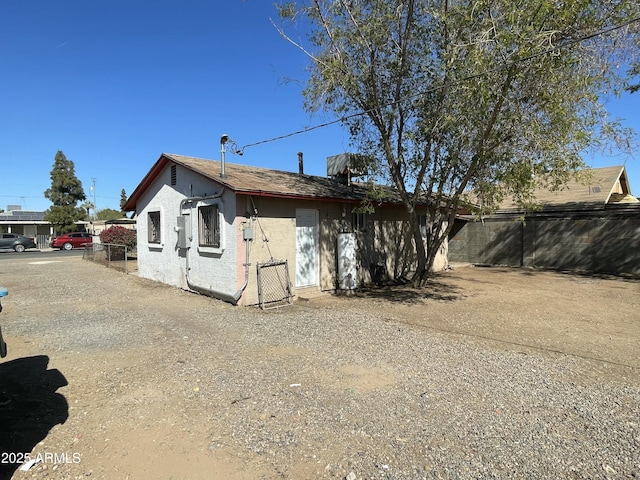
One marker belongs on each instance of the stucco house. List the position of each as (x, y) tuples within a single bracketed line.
[(240, 233), (591, 225)]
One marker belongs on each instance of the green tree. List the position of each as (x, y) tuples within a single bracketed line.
[(65, 193), (108, 214), (123, 201), (452, 96), (634, 75)]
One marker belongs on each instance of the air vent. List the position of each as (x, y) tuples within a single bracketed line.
[(595, 189), (174, 175)]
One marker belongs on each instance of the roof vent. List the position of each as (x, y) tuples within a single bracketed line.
[(595, 189), (174, 175)]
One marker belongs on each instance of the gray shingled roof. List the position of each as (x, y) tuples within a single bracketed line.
[(264, 181)]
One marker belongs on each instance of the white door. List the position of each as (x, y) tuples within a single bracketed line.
[(307, 250)]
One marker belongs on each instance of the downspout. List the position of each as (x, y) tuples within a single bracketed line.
[(225, 297)]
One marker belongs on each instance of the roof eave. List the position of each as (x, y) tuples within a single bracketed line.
[(291, 196)]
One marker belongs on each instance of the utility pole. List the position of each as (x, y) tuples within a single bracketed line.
[(95, 207)]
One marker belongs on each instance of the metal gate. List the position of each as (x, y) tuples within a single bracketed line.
[(274, 287)]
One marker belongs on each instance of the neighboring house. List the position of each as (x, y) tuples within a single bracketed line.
[(592, 226), (30, 223), (218, 228), (26, 222)]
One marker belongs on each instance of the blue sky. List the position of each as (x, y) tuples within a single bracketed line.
[(114, 84)]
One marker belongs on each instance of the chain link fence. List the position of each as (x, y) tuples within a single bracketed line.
[(274, 287), (112, 255)]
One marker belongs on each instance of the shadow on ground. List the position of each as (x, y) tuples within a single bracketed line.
[(437, 288), (29, 408)]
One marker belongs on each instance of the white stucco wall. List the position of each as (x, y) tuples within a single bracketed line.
[(165, 262)]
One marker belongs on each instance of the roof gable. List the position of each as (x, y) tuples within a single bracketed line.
[(603, 186)]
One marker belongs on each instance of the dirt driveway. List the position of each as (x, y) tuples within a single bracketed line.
[(593, 317), (488, 373)]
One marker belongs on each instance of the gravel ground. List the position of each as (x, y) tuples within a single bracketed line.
[(162, 383)]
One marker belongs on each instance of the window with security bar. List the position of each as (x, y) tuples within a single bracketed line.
[(360, 222), (153, 227), (209, 226)]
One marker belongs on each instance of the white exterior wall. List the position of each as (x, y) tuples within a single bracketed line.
[(167, 263)]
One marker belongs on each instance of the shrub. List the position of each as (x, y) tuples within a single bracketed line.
[(119, 235)]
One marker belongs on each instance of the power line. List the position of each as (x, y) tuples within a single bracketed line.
[(22, 196), (240, 151)]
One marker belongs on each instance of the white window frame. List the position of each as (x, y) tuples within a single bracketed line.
[(154, 232)]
